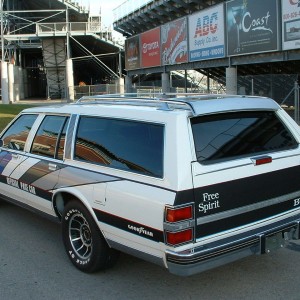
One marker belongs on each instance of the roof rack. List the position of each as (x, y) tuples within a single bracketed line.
[(164, 101)]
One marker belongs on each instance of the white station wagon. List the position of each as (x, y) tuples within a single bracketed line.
[(189, 182)]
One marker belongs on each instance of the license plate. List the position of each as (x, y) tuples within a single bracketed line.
[(274, 242)]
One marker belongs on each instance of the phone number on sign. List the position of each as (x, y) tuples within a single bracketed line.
[(292, 15)]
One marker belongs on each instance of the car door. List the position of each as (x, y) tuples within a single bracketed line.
[(12, 154), (39, 172)]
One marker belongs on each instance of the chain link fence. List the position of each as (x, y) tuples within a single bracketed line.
[(99, 89), (275, 86), (282, 88)]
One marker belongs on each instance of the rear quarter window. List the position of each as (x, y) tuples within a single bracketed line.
[(225, 136), (121, 144)]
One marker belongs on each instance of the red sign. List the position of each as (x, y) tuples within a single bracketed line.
[(150, 48), (174, 42)]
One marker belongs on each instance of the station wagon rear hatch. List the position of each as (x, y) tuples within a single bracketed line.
[(246, 172)]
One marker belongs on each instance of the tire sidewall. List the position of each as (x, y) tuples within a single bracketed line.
[(90, 263)]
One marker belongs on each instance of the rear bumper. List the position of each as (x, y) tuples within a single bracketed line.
[(258, 241)]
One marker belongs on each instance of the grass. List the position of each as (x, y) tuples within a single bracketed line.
[(9, 111)]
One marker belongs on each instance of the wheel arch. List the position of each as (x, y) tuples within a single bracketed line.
[(62, 197)]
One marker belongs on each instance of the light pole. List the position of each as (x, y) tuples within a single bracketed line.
[(2, 33), (4, 69)]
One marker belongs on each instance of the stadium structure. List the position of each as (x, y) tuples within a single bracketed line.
[(248, 46), (52, 49)]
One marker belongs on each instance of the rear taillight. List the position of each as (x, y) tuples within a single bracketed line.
[(179, 214), (179, 224), (180, 237)]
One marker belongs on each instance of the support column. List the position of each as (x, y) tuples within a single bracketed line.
[(4, 82), (231, 81), (21, 82), (165, 82), (120, 85), (70, 80), (11, 81), (185, 81), (208, 81), (25, 80), (16, 84), (128, 85)]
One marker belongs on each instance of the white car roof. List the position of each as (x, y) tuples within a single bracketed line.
[(197, 104), (204, 107)]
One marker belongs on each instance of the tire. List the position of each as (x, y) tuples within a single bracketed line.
[(83, 240)]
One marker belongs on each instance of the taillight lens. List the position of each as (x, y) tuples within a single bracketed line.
[(179, 214), (262, 160), (179, 224), (176, 238)]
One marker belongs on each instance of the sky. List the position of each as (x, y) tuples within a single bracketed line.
[(107, 7)]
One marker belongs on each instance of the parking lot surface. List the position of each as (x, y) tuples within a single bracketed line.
[(33, 265)]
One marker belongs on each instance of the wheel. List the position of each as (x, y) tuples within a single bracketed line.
[(84, 242)]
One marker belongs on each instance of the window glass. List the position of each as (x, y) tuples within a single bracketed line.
[(233, 135), (127, 145), (48, 138), (16, 135)]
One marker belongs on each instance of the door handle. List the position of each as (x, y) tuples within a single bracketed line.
[(52, 167)]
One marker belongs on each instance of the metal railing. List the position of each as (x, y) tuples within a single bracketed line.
[(55, 28), (128, 7), (62, 27)]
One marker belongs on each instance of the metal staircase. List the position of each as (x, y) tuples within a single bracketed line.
[(54, 53)]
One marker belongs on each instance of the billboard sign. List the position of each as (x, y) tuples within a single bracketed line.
[(252, 26), (206, 34), (150, 48), (132, 53), (290, 24), (174, 45)]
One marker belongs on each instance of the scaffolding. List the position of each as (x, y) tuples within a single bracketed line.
[(49, 29)]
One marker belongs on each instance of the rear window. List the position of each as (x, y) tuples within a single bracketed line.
[(227, 136)]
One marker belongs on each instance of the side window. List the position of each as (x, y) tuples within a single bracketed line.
[(16, 135), (128, 145), (49, 140)]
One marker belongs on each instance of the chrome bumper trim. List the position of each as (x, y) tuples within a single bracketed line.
[(202, 258)]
